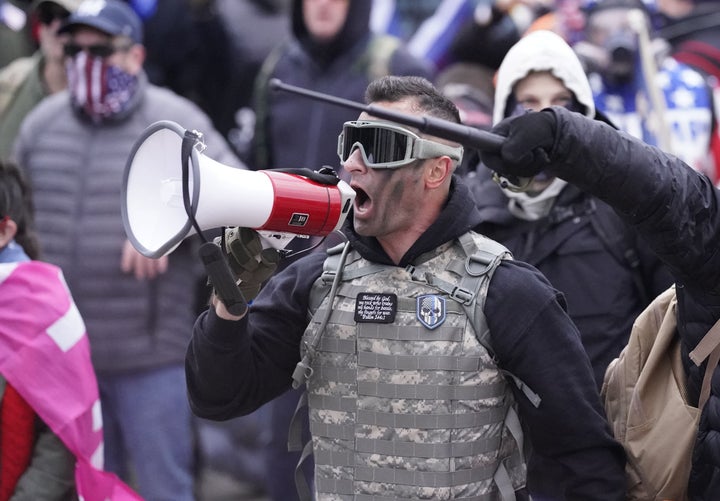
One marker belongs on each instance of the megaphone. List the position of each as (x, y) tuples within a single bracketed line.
[(172, 191)]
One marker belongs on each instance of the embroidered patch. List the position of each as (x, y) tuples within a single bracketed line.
[(431, 310), (376, 308)]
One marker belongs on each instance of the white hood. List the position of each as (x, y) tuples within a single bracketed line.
[(541, 51)]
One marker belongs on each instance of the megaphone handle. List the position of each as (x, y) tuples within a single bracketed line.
[(222, 278)]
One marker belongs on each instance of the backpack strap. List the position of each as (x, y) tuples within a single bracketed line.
[(708, 348), (261, 103)]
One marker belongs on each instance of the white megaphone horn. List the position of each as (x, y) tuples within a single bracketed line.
[(164, 200)]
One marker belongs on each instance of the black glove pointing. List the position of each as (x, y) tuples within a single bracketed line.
[(529, 141)]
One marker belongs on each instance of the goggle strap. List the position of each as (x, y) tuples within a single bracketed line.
[(425, 148)]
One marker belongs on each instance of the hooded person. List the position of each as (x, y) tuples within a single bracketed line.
[(332, 50), (606, 274), (541, 51)]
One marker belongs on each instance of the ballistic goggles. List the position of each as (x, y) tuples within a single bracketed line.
[(384, 145)]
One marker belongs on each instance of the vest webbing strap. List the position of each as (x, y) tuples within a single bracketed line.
[(425, 421), (367, 497), (410, 449), (502, 477), (428, 392), (482, 262), (336, 486), (295, 432), (347, 431), (423, 478), (407, 449), (303, 369), (337, 345), (431, 421), (353, 273), (408, 333), (420, 363), (301, 485)]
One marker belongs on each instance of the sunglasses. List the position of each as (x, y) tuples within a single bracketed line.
[(49, 12), (384, 145), (71, 49)]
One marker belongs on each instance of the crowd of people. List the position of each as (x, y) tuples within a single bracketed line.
[(472, 296)]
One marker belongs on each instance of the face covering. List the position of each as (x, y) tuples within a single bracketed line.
[(537, 206), (100, 90)]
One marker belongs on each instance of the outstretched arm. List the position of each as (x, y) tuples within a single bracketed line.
[(672, 206)]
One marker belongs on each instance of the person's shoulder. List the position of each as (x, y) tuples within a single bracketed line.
[(31, 277), (521, 282), (164, 104), (50, 109), (158, 97), (12, 75)]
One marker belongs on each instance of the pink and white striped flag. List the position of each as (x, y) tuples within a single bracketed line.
[(45, 355)]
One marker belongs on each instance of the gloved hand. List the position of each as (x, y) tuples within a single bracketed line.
[(527, 147), (251, 263)]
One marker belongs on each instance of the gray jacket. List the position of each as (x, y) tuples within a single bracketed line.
[(76, 169)]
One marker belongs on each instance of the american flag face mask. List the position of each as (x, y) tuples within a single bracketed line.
[(99, 89)]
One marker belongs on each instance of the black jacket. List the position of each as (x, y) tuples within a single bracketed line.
[(676, 210), (234, 367), (608, 276)]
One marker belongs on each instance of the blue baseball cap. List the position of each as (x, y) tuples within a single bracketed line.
[(114, 17)]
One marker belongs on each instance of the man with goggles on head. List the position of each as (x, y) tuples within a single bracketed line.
[(404, 337)]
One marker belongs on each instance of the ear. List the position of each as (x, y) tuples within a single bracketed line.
[(8, 229), (135, 59), (438, 171)]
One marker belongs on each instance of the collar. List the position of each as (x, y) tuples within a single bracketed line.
[(13, 253)]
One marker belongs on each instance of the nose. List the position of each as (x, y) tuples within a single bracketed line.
[(355, 163)]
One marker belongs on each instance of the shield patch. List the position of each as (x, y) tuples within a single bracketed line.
[(431, 310)]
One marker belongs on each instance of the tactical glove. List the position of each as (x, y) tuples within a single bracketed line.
[(251, 264), (526, 151)]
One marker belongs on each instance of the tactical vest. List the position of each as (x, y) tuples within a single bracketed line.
[(405, 398)]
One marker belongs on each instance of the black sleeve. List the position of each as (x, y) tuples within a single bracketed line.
[(535, 340), (233, 367), (673, 207)]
